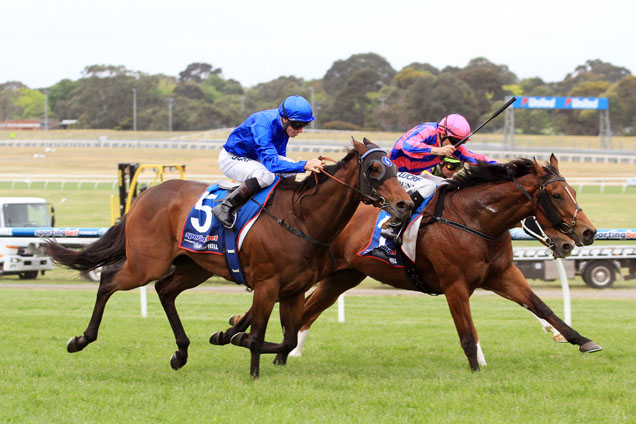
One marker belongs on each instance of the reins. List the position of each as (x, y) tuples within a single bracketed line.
[(544, 205), (437, 216), (364, 197), (296, 232)]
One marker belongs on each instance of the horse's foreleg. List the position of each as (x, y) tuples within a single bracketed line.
[(265, 296), (325, 295), (513, 285), (105, 290), (291, 312), (457, 296), (186, 274)]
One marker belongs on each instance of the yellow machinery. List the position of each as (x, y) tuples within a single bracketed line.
[(128, 175)]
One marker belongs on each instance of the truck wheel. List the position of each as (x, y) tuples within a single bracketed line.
[(599, 274), (28, 275)]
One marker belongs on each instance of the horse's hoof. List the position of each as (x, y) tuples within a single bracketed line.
[(72, 345), (234, 319), (176, 362), (559, 338), (237, 339), (296, 353), (215, 338), (280, 360), (590, 347)]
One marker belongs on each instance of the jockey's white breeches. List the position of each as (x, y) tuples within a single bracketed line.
[(425, 184), (240, 169)]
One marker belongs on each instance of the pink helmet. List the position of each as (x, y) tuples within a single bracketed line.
[(454, 125)]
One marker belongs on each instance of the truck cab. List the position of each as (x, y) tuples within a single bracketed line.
[(23, 256)]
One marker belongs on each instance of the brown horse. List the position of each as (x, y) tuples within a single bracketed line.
[(469, 247), (280, 262)]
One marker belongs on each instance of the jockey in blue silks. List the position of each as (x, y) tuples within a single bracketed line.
[(255, 152)]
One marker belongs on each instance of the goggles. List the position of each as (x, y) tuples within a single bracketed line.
[(298, 124), (451, 166)]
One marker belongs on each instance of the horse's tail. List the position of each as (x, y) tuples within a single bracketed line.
[(109, 249)]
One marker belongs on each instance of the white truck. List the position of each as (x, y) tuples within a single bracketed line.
[(599, 265), (23, 256)]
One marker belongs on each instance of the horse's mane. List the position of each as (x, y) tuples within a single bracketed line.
[(484, 172), (310, 180)]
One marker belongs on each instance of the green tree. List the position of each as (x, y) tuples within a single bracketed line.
[(31, 103), (353, 103), (433, 98), (622, 99), (9, 108), (487, 81), (337, 76), (197, 72)]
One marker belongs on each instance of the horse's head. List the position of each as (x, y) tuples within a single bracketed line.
[(558, 213), (377, 180), (560, 244)]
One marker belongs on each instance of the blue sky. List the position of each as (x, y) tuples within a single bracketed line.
[(255, 41)]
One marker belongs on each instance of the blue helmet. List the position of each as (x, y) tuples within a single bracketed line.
[(296, 108)]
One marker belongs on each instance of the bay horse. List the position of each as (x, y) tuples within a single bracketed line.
[(282, 255), (473, 251)]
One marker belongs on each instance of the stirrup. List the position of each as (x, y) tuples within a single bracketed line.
[(225, 222), (389, 234)]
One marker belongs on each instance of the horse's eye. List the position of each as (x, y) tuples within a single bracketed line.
[(556, 196)]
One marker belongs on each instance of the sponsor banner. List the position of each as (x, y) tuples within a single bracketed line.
[(52, 232), (601, 234), (527, 102)]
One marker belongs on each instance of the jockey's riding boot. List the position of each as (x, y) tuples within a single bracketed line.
[(226, 210), (393, 231)]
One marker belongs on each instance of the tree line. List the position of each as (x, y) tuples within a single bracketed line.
[(362, 92)]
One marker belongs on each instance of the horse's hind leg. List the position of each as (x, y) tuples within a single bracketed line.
[(105, 290), (291, 312), (186, 274), (513, 285), (239, 324), (265, 295), (323, 297), (110, 282), (458, 299)]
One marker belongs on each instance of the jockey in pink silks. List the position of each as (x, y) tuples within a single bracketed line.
[(422, 148)]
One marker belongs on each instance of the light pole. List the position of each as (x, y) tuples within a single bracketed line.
[(170, 100), (134, 109), (46, 109), (313, 123)]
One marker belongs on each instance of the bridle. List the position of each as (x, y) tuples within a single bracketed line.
[(369, 185), (545, 206), (368, 194), (542, 204)]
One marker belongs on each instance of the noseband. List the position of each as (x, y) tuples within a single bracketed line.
[(545, 206)]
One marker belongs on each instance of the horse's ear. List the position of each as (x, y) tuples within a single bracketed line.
[(366, 141), (554, 162), (538, 168), (357, 144)]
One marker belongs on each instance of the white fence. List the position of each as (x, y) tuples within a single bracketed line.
[(493, 151), (110, 181)]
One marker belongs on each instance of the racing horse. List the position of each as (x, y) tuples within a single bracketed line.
[(468, 246), (282, 255)]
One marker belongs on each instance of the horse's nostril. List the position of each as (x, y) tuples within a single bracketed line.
[(405, 206), (567, 247)]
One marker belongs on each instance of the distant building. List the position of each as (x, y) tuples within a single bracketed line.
[(21, 124), (34, 124)]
